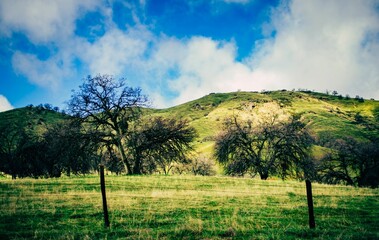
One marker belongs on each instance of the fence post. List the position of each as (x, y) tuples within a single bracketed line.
[(312, 223), (102, 185)]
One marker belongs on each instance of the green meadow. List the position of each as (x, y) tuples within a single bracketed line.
[(183, 207)]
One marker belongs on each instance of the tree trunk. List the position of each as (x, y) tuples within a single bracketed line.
[(263, 175), (349, 181), (124, 159), (137, 165)]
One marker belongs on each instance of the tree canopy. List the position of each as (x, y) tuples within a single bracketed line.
[(267, 146), (160, 142), (350, 162)]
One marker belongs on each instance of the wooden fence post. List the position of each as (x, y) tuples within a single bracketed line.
[(312, 223), (105, 208)]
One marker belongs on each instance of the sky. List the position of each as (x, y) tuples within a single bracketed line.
[(181, 50)]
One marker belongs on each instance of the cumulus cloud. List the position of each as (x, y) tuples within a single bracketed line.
[(307, 44), (42, 20), (4, 104), (321, 45), (317, 45), (47, 73), (200, 65), (116, 50), (209, 66), (45, 23)]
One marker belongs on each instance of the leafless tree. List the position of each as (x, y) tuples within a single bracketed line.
[(109, 107)]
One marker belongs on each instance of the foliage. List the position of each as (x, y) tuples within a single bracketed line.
[(72, 148), (112, 160), (15, 148), (271, 146), (62, 147), (375, 112), (159, 143), (10, 149), (22, 150), (350, 162), (203, 166)]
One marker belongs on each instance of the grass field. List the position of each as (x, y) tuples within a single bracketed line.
[(183, 207)]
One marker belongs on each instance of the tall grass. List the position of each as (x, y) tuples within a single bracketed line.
[(183, 207)]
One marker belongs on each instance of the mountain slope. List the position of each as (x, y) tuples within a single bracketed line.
[(327, 116), (32, 118)]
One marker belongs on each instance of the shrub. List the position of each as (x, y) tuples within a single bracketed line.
[(203, 166)]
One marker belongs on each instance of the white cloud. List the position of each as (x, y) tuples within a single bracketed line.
[(4, 104), (116, 51), (42, 20), (198, 66), (317, 45), (50, 24), (48, 73), (322, 45)]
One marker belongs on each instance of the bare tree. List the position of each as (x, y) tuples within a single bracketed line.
[(109, 106)]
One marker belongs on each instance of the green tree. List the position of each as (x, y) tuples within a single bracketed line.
[(20, 150), (71, 148), (10, 149), (350, 162), (269, 146), (159, 143), (375, 112)]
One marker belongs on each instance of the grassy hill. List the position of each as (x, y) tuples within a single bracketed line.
[(328, 116), (33, 118)]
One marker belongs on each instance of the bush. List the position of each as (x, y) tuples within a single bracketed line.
[(203, 166)]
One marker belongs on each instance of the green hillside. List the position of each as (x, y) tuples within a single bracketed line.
[(327, 115), (32, 118)]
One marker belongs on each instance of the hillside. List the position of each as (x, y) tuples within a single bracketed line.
[(328, 116), (33, 118)]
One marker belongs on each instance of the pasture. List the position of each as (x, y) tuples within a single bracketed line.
[(183, 207)]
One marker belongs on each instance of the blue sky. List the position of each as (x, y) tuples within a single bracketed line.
[(180, 50)]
